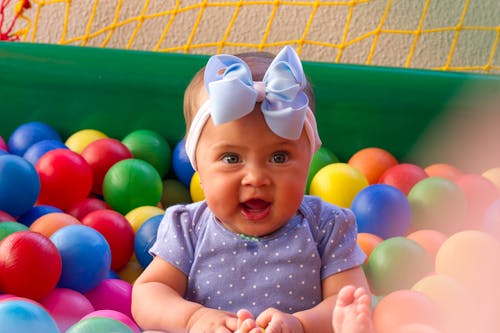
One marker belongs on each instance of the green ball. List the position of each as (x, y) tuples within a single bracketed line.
[(321, 158), (99, 325), (9, 227), (174, 192), (437, 203), (397, 263), (132, 183), (151, 147)]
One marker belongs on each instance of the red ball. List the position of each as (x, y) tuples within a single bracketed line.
[(87, 205), (101, 155), (118, 233), (403, 176), (65, 178), (30, 265)]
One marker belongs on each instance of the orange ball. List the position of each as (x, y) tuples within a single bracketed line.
[(49, 223), (429, 239), (372, 162), (368, 242), (403, 307), (443, 170)]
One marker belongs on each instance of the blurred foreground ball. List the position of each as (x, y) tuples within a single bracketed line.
[(19, 185), (338, 183), (382, 210), (99, 325), (132, 183)]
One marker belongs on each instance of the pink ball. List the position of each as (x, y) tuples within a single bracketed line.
[(6, 217), (112, 294), (66, 306), (403, 176), (65, 178), (3, 146), (116, 315)]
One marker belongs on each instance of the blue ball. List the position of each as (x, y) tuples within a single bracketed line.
[(28, 134), (35, 212), (86, 257), (3, 152), (382, 210), (39, 148), (19, 185), (181, 164), (144, 239), (25, 316)]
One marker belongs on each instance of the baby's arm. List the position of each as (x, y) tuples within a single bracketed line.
[(158, 303)]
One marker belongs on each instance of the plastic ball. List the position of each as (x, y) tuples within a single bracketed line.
[(117, 231), (65, 178), (195, 188), (99, 325), (174, 192), (6, 217), (493, 175), (50, 223), (66, 306), (403, 176), (145, 238), (8, 227), (139, 215), (181, 165), (132, 183), (23, 316), (437, 203), (30, 265), (86, 257), (444, 170), (368, 242), (372, 162), (131, 271), (28, 134), (3, 146), (19, 185), (338, 183), (101, 154), (491, 219), (452, 299), (397, 263), (430, 240), (35, 212), (80, 139), (116, 315), (321, 158), (3, 152), (382, 210), (40, 148), (405, 306), (112, 294), (87, 205), (415, 328), (151, 147), (480, 193)]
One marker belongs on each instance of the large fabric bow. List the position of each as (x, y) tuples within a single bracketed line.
[(233, 94)]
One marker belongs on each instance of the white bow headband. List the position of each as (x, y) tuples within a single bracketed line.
[(233, 95)]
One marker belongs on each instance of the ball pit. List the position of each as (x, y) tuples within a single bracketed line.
[(25, 316), (86, 257)]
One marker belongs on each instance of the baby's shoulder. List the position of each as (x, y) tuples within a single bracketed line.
[(188, 214), (320, 212)]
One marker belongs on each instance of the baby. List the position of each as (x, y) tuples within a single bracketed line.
[(256, 253)]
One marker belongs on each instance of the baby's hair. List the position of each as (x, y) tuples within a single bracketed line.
[(258, 62)]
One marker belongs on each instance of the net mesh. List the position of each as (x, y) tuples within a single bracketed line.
[(451, 35)]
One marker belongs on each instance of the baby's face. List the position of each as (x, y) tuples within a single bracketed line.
[(253, 180)]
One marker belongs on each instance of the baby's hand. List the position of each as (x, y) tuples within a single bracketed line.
[(211, 320), (269, 321)]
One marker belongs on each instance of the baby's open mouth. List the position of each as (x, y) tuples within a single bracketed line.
[(255, 209)]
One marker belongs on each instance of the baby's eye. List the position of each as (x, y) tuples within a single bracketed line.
[(279, 157), (230, 158)]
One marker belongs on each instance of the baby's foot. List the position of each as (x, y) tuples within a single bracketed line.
[(352, 312)]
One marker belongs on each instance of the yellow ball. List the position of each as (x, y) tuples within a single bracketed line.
[(338, 183), (195, 188), (493, 175), (79, 140), (137, 216)]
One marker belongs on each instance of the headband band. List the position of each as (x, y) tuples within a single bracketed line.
[(233, 95)]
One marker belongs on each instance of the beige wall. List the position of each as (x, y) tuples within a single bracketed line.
[(439, 34)]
